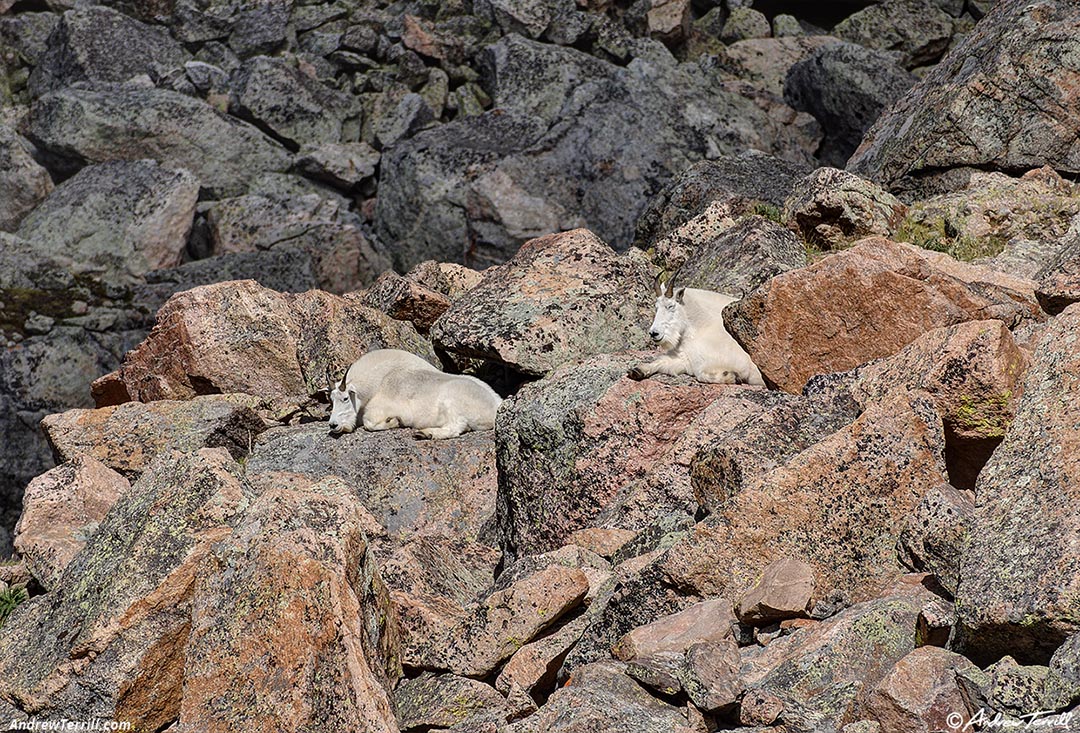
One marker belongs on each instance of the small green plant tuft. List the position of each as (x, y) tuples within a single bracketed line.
[(769, 211), (10, 600), (938, 236)]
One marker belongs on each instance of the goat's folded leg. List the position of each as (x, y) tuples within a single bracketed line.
[(661, 365)]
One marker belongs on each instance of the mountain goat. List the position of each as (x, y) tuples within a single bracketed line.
[(436, 404), (393, 388), (362, 379), (689, 323)]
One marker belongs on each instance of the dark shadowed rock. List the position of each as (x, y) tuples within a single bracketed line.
[(1059, 279), (99, 44), (109, 641), (294, 107), (794, 326), (126, 438), (1025, 602), (561, 297), (24, 182), (740, 181), (966, 111), (124, 218), (764, 62), (431, 487), (915, 31), (846, 87), (61, 510), (287, 613), (249, 28), (742, 258), (831, 208), (108, 122)]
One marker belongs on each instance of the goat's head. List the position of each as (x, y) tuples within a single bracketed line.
[(670, 322), (343, 410)]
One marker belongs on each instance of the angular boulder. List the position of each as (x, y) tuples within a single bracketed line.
[(846, 87), (84, 47), (444, 700), (127, 437), (794, 326), (832, 208), (125, 218), (966, 112), (61, 510), (935, 535), (241, 337), (920, 693), (442, 487), (785, 590), (24, 182), (110, 641), (80, 125), (288, 612), (837, 506), (561, 297), (1024, 602), (918, 31), (707, 621)]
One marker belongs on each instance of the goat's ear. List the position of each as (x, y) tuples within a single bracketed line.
[(679, 295)]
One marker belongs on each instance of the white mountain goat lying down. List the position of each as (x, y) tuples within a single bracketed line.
[(689, 323), (393, 389)]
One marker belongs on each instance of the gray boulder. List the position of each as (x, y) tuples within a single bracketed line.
[(125, 218), (410, 486), (637, 119), (846, 87), (100, 44), (742, 257), (80, 125), (250, 27), (1020, 570), (294, 107), (741, 181), (1010, 98), (23, 181), (916, 31)]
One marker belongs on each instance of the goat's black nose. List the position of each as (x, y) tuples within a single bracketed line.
[(654, 334)]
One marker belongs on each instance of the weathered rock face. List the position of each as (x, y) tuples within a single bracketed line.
[(342, 258), (819, 675), (126, 438), (109, 641), (1024, 602), (965, 111), (126, 217), (765, 62), (846, 87), (602, 697), (644, 449), (968, 222), (446, 700), (405, 300), (837, 506), (119, 122), (832, 208), (936, 533), (99, 44), (740, 182), (288, 613), (742, 258), (24, 182), (533, 668), (785, 590), (918, 31), (518, 187), (296, 108), (708, 621), (442, 487), (974, 373), (248, 28), (242, 337), (919, 692), (794, 327), (61, 510), (561, 297)]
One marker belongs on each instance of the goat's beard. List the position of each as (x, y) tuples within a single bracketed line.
[(667, 343)]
